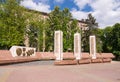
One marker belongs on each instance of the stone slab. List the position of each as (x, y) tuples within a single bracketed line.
[(84, 61), (106, 60), (6, 58), (85, 55), (96, 61), (99, 55), (107, 55), (5, 55), (47, 56), (68, 56), (66, 62), (38, 55), (17, 60)]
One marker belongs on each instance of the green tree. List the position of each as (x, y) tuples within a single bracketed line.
[(111, 40), (62, 20), (91, 22), (12, 23), (92, 27), (115, 40), (35, 31), (106, 39)]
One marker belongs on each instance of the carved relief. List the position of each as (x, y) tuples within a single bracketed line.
[(19, 51), (22, 51)]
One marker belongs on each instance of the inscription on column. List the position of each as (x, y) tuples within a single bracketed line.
[(92, 45), (77, 46), (58, 45)]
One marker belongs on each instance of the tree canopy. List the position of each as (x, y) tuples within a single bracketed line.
[(62, 20), (12, 23)]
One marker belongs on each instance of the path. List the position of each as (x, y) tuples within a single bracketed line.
[(45, 71)]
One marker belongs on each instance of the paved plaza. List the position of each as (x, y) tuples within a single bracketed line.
[(45, 71)]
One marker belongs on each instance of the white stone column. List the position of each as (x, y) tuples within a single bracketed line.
[(92, 40), (77, 46), (58, 45)]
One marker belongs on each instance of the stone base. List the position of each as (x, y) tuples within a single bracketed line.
[(107, 60), (45, 55), (68, 56), (96, 61), (107, 55), (6, 58), (66, 62), (85, 56), (17, 60), (84, 61)]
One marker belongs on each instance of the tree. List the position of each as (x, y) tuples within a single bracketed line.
[(111, 40), (91, 22), (12, 24), (115, 40), (35, 31), (92, 27), (106, 39), (116, 37), (62, 20)]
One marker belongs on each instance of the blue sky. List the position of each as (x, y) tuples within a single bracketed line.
[(106, 12), (62, 4)]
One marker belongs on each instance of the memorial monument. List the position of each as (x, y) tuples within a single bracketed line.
[(92, 40), (77, 46), (22, 51), (58, 45)]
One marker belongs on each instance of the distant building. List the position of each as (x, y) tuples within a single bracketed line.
[(81, 23), (37, 16)]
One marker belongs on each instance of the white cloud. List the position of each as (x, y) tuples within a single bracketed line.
[(36, 6), (58, 1), (107, 12), (79, 14), (81, 3)]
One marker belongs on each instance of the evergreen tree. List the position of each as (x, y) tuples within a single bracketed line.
[(92, 27)]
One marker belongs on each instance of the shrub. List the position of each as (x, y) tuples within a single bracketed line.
[(117, 55)]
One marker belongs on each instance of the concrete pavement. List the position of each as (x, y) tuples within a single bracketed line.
[(37, 72)]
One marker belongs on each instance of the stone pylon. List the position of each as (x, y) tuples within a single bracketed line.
[(92, 40), (58, 45), (77, 46)]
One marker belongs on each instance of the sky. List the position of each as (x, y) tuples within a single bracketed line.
[(106, 12)]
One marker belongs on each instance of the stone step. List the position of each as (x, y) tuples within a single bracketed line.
[(66, 62)]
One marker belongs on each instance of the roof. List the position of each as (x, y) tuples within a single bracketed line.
[(47, 14), (43, 13)]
